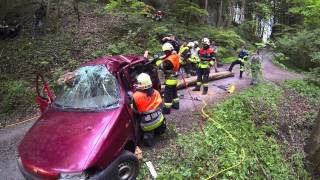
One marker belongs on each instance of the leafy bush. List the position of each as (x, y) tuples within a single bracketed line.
[(247, 30), (15, 95), (305, 88), (132, 7), (302, 48)]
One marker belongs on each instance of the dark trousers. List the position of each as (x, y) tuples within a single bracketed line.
[(187, 68), (170, 96), (241, 66), (203, 77)]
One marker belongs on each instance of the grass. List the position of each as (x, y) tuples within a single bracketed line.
[(249, 117)]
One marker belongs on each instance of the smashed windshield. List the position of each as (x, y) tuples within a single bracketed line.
[(91, 88)]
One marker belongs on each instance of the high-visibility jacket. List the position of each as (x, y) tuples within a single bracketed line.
[(185, 54), (175, 60), (206, 58), (194, 56), (149, 109), (171, 75), (146, 103)]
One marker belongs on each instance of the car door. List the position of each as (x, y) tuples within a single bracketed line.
[(44, 94), (129, 88)]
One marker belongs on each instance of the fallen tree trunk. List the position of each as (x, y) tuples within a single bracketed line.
[(193, 80), (213, 76)]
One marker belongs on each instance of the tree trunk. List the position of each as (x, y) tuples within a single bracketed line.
[(76, 8), (243, 10), (59, 7), (206, 5), (220, 20), (313, 147)]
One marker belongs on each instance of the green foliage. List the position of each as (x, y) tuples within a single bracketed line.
[(247, 30), (279, 59), (245, 116), (314, 76), (309, 9), (15, 95), (302, 48), (305, 88), (183, 10), (126, 6)]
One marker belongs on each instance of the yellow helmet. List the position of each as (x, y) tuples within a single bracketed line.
[(144, 81), (167, 47), (206, 41)]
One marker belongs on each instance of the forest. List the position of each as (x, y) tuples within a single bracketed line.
[(266, 131)]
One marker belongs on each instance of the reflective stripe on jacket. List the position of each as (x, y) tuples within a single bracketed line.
[(151, 121)]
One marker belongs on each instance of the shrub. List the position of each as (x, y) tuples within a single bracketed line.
[(15, 95), (302, 48)]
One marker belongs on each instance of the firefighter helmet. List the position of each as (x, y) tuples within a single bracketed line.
[(191, 44), (206, 41), (144, 81), (167, 47)]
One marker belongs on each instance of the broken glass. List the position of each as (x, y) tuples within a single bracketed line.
[(92, 88)]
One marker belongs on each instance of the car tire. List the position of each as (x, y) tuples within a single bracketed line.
[(128, 166), (125, 167)]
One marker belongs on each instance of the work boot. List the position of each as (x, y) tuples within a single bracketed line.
[(197, 88), (175, 105), (166, 110), (205, 90), (148, 138)]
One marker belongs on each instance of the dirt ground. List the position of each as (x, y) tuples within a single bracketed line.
[(184, 119)]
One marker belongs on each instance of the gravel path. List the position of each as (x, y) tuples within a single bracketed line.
[(184, 118)]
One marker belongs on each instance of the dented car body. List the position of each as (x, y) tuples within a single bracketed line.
[(88, 126)]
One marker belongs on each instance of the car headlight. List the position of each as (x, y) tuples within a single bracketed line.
[(73, 176)]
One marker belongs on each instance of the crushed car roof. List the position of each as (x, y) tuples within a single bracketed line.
[(115, 63)]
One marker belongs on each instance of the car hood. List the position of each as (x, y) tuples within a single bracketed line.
[(63, 141)]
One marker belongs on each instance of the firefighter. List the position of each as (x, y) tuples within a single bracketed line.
[(173, 41), (242, 57), (215, 52), (206, 55), (194, 59), (147, 103), (170, 65), (185, 54)]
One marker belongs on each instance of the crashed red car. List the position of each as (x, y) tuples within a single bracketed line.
[(88, 130)]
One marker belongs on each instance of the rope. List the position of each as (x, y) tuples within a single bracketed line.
[(21, 122), (192, 99), (219, 126)]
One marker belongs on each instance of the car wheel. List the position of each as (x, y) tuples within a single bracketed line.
[(128, 166)]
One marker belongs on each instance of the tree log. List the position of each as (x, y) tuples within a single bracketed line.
[(213, 76)]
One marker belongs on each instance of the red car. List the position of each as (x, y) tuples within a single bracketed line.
[(88, 130)]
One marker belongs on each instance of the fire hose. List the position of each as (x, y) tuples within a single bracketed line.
[(219, 126), (21, 122)]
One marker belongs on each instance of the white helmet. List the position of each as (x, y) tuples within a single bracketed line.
[(144, 81), (167, 47), (206, 41), (190, 44)]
